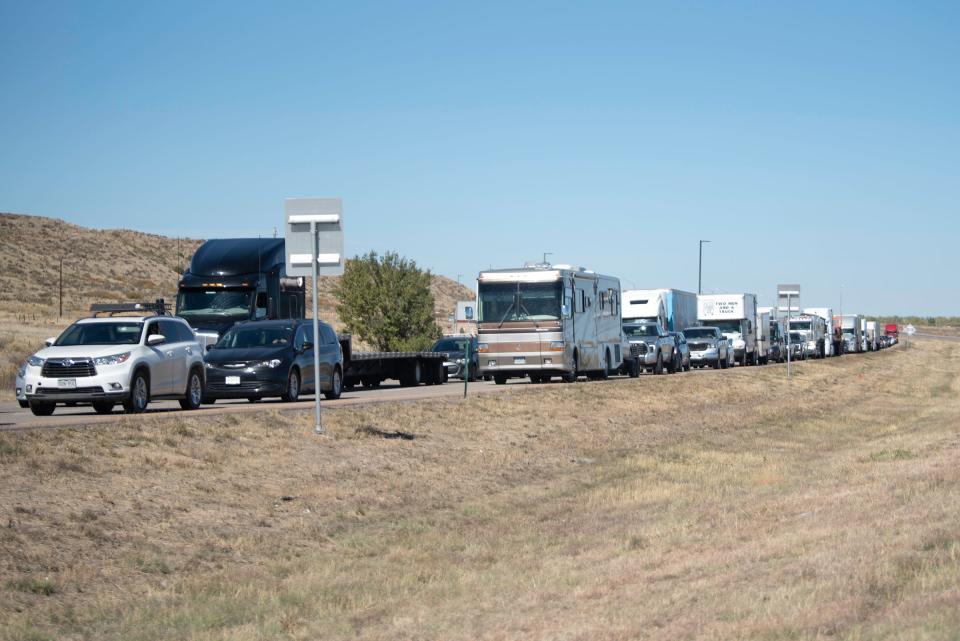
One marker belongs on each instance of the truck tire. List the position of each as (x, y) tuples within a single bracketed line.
[(633, 368), (672, 365), (412, 374), (604, 374), (571, 376), (725, 361), (499, 379), (743, 359), (658, 368)]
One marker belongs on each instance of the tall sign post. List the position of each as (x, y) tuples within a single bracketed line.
[(314, 247), (788, 293)]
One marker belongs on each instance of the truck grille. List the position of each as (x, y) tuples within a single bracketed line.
[(68, 368), (638, 349), (699, 347)]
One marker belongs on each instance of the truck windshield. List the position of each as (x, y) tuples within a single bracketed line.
[(214, 302), (505, 302), (800, 325), (109, 333), (699, 332), (796, 337), (728, 327), (849, 330), (640, 330)]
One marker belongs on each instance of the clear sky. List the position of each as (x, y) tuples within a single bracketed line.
[(812, 142)]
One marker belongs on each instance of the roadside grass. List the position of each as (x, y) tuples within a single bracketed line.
[(719, 505)]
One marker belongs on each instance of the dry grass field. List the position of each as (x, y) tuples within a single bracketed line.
[(718, 505)]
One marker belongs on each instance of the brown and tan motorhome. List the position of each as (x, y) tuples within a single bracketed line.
[(544, 320)]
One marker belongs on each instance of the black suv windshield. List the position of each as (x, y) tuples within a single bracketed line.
[(214, 302), (109, 333), (640, 330), (244, 337)]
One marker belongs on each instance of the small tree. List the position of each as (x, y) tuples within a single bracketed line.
[(386, 301)]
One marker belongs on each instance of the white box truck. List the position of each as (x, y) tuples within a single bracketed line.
[(674, 309), (736, 317)]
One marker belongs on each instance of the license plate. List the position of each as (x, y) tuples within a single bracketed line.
[(233, 380), (67, 383), (520, 360)]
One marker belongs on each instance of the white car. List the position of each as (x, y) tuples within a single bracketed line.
[(104, 361)]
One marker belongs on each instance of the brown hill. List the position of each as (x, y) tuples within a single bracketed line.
[(116, 265)]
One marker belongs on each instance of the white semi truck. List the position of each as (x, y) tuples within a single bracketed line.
[(850, 324), (813, 329), (736, 316), (674, 309), (826, 313)]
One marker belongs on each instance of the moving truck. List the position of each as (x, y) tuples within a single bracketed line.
[(765, 339), (873, 336), (736, 317), (544, 320), (673, 309), (236, 279)]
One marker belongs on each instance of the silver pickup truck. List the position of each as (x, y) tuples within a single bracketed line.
[(651, 345), (708, 346)]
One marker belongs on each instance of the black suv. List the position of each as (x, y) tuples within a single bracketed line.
[(258, 359), (454, 350)]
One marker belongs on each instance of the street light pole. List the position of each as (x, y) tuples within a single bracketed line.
[(700, 271)]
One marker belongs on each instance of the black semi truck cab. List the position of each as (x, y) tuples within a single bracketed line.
[(236, 279)]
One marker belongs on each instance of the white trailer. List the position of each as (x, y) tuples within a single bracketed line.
[(736, 317), (826, 313), (674, 309), (873, 336)]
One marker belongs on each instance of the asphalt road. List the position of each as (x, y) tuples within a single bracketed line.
[(12, 417)]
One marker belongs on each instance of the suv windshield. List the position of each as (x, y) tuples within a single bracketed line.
[(214, 302), (244, 337), (450, 345), (699, 332), (108, 333), (640, 330)]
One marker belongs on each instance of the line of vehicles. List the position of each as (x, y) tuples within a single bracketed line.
[(546, 321), (239, 331)]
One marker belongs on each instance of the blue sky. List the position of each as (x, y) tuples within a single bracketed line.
[(811, 142)]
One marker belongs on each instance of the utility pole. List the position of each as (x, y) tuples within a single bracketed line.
[(61, 288), (700, 271)]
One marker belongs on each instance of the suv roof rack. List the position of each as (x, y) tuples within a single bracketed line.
[(157, 307)]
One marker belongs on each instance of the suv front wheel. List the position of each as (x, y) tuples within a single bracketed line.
[(139, 394)]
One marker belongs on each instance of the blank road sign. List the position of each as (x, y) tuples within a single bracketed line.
[(327, 214)]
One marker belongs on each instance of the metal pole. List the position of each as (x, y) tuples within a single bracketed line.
[(700, 269), (61, 288), (466, 367), (318, 427), (788, 335)]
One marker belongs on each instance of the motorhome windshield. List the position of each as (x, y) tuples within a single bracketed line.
[(505, 302), (698, 332), (800, 325), (640, 330), (728, 327), (214, 302)]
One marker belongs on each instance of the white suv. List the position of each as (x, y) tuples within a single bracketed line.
[(104, 361)]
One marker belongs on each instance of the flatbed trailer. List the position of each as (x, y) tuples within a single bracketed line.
[(369, 369)]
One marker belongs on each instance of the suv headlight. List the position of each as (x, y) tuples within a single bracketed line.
[(272, 364), (115, 359), (35, 361)]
